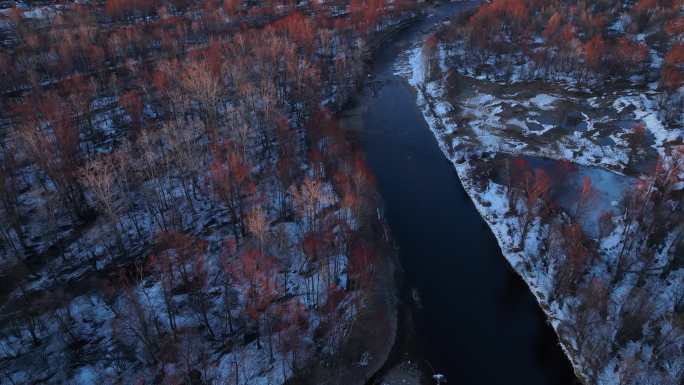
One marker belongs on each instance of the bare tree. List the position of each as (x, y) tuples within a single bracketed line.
[(307, 198), (99, 175), (205, 86)]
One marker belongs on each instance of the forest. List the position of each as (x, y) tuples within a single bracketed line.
[(190, 191), (179, 205)]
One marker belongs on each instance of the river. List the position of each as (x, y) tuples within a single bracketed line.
[(478, 323)]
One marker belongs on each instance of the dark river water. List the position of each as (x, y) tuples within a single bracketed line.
[(479, 324)]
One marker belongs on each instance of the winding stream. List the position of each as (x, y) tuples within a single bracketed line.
[(478, 323)]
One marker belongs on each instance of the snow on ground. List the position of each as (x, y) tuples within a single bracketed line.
[(88, 253), (544, 101), (467, 141), (645, 110), (95, 320)]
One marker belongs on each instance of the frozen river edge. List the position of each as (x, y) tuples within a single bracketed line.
[(491, 203)]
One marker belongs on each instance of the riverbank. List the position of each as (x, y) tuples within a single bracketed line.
[(371, 339), (476, 123), (436, 110), (446, 255), (382, 345)]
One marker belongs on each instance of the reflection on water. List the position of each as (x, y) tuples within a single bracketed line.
[(607, 189)]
